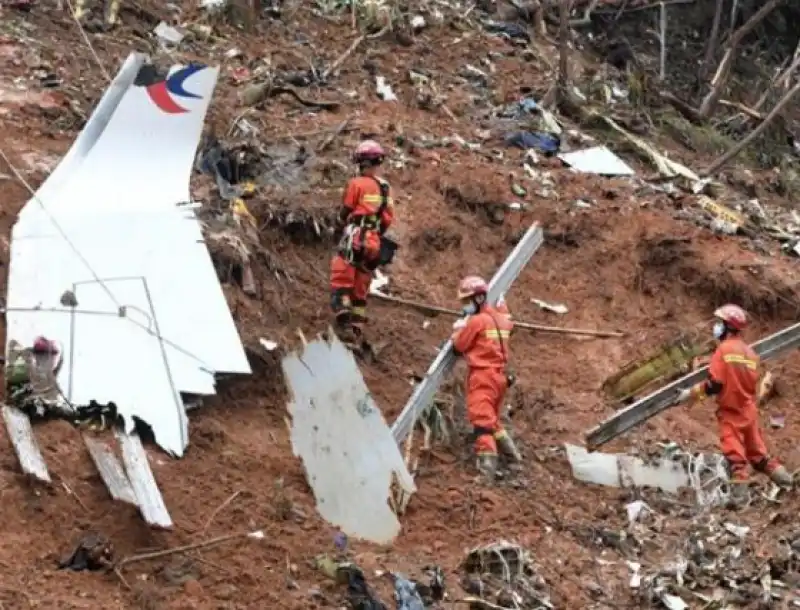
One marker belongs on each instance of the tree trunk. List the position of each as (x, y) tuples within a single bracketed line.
[(723, 71), (563, 49), (711, 48), (784, 101), (781, 80), (662, 22), (539, 25)]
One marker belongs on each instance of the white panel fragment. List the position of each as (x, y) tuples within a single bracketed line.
[(93, 375), (148, 497), (110, 469), (598, 160), (625, 471), (24, 443), (348, 451)]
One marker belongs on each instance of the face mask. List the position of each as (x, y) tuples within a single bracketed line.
[(718, 330), (469, 309)]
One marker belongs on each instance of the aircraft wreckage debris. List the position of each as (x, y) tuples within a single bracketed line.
[(118, 273)]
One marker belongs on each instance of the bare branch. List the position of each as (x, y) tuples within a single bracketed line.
[(782, 80), (721, 76), (753, 134), (587, 15), (563, 49), (711, 47), (663, 36)]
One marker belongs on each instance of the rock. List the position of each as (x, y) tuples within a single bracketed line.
[(226, 591), (193, 588)]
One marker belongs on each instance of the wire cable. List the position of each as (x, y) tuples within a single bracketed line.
[(58, 227), (120, 307), (88, 42), (63, 233)]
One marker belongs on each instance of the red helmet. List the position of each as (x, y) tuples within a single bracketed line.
[(42, 345), (733, 316), (369, 150), (471, 286)]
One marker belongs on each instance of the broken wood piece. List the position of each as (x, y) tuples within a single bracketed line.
[(525, 325), (333, 135), (739, 106), (179, 549), (740, 146), (220, 508), (111, 471), (342, 58), (24, 442), (148, 496)]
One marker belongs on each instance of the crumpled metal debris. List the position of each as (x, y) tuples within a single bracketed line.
[(359, 594), (504, 575), (720, 565), (93, 552)]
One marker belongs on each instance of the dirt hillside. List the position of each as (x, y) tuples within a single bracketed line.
[(619, 254)]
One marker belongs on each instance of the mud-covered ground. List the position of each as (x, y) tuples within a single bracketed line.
[(623, 262)]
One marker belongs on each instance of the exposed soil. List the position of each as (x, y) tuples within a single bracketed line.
[(624, 262)]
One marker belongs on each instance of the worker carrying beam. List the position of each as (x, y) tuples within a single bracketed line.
[(482, 338), (367, 213), (733, 378)]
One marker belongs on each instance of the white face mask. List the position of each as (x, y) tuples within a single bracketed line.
[(469, 309), (719, 329)]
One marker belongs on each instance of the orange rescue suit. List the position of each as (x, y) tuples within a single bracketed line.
[(484, 344), (366, 220), (733, 376)]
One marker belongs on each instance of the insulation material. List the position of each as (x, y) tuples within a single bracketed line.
[(348, 452)]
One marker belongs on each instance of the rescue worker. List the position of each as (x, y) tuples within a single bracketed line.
[(482, 339), (733, 378), (367, 213)]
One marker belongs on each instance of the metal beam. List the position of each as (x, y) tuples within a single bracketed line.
[(423, 394), (640, 411)]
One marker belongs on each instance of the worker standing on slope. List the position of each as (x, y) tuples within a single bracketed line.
[(367, 212), (482, 338), (733, 379)]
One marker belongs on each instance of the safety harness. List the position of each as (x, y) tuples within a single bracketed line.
[(351, 246)]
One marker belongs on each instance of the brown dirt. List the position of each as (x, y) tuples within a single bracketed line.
[(623, 263)]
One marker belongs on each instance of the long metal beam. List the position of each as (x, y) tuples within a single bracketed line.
[(424, 393), (640, 411)]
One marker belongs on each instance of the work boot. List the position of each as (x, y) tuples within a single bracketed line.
[(740, 494), (487, 466), (781, 477), (508, 448)]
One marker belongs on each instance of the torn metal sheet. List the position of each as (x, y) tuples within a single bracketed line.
[(615, 470), (424, 392), (24, 442), (348, 452), (640, 411), (132, 262), (110, 469), (597, 160), (148, 497)]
